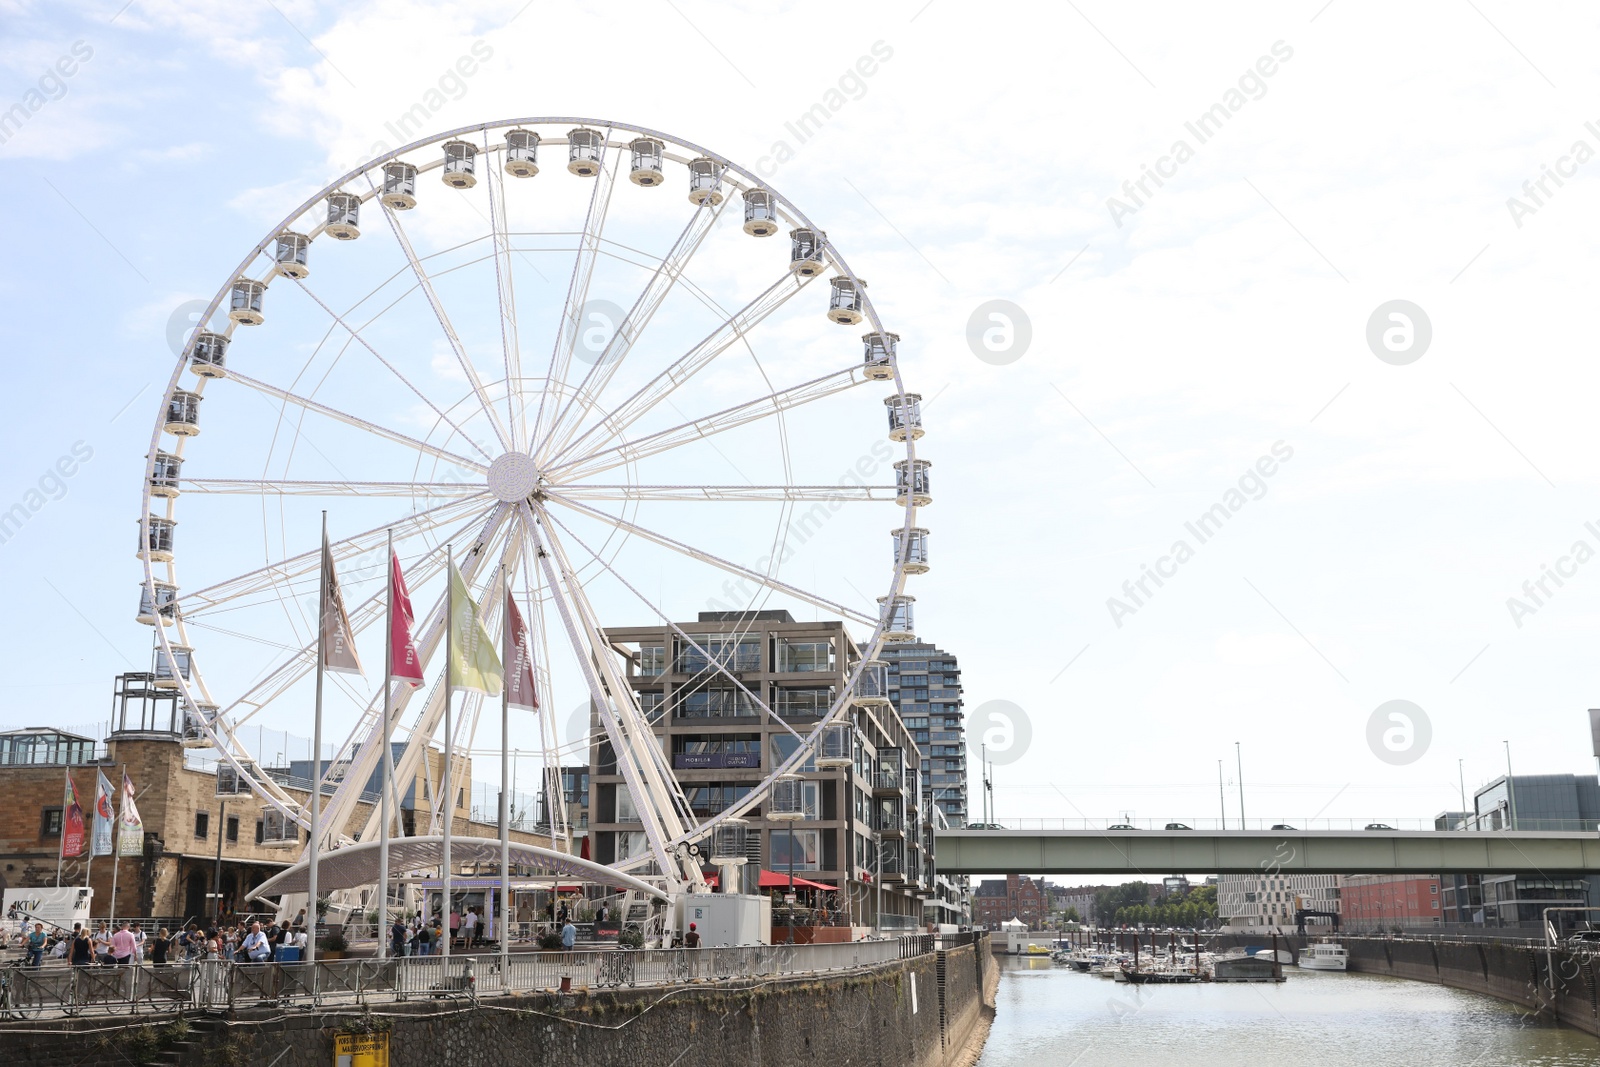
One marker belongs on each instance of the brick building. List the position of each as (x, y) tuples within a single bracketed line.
[(1374, 900), (194, 838), (1015, 897)]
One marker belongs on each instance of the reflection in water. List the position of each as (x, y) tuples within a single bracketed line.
[(1049, 1015)]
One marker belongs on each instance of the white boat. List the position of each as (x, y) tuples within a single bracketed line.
[(1324, 956)]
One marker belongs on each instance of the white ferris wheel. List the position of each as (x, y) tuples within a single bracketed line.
[(617, 402)]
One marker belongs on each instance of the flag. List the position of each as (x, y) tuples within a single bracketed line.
[(102, 815), (338, 639), (404, 663), (473, 664), (130, 838), (71, 822), (518, 658)]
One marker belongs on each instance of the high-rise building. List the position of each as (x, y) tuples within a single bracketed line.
[(863, 831), (925, 685)]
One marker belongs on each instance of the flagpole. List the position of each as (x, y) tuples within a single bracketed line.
[(449, 739), (383, 832), (316, 748), (505, 797), (116, 852)]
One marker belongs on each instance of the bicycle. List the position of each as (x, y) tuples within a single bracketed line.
[(17, 999)]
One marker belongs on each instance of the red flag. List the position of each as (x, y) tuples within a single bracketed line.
[(518, 659), (72, 823), (404, 663)]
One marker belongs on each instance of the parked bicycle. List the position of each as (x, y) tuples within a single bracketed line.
[(18, 1000)]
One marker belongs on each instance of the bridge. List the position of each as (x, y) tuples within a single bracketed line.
[(1154, 852)]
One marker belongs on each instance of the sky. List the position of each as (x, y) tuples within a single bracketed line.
[(1314, 270)]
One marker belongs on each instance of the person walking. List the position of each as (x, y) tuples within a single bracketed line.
[(563, 913), (397, 937), (160, 945), (692, 938), (455, 926), (569, 936), (36, 943), (424, 939)]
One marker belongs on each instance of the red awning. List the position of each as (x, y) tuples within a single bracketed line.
[(772, 880)]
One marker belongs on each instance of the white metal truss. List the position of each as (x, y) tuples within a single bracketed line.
[(577, 433)]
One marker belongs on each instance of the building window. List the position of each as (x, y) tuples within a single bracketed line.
[(261, 831), (801, 703), (714, 650), (652, 659), (233, 829), (50, 822), (802, 656), (807, 850), (713, 703), (202, 825)]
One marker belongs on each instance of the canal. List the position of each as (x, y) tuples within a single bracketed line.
[(1048, 1015)]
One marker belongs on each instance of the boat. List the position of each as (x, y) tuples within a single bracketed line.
[(1247, 968), (1161, 977), (1325, 956)]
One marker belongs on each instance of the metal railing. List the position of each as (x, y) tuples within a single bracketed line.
[(1292, 824), (223, 985)]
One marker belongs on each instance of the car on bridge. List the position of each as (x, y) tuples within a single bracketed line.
[(1285, 826), (1378, 826), (1121, 826), (984, 826), (1178, 826)]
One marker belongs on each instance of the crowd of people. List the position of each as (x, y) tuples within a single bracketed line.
[(267, 942), (127, 943)]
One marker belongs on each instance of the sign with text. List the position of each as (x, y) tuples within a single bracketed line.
[(361, 1050)]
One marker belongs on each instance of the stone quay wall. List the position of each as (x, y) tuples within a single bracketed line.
[(897, 1014)]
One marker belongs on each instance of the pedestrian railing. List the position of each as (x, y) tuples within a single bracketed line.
[(220, 985)]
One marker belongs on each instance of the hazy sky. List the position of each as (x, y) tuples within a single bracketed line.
[(1215, 339)]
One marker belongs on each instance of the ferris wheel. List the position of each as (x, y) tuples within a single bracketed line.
[(614, 402)]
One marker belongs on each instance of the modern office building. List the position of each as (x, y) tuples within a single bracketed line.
[(925, 685), (863, 831), (1269, 901), (1523, 802)]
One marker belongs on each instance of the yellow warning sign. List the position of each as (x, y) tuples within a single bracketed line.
[(361, 1050)]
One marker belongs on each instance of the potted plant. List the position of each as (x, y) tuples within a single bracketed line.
[(550, 942), (332, 945)]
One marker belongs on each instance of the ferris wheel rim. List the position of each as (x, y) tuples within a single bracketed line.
[(868, 652)]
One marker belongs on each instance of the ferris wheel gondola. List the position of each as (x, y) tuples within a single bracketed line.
[(534, 475)]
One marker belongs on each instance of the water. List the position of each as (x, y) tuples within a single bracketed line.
[(1049, 1015)]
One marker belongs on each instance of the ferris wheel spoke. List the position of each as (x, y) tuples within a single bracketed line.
[(286, 571), (745, 574), (628, 332), (426, 284), (718, 666), (505, 289), (732, 418), (796, 493), (359, 423), (589, 246), (362, 341), (633, 742), (616, 422), (269, 487)]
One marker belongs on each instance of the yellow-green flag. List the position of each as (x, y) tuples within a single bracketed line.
[(473, 662)]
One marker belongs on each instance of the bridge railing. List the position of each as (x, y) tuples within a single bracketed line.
[(223, 985)]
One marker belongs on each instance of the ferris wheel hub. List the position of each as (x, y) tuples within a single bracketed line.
[(513, 477)]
